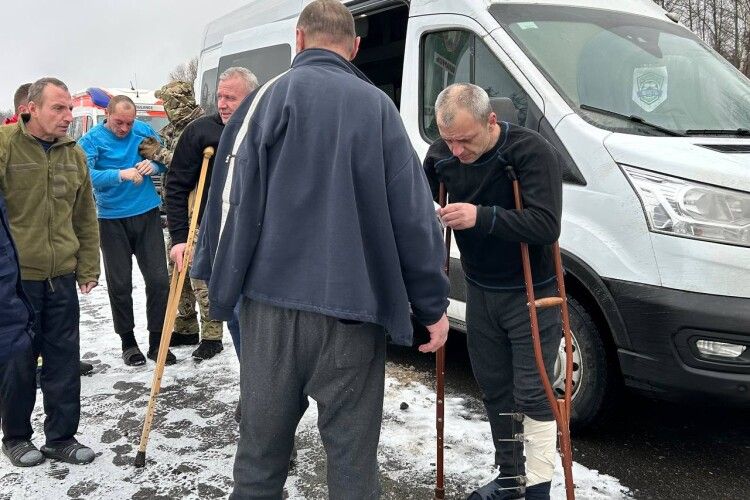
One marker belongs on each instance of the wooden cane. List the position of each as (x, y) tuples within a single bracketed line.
[(440, 372), (175, 289), (560, 407)]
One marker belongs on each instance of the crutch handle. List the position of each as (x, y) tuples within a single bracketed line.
[(548, 302)]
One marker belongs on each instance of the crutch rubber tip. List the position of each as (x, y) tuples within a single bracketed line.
[(140, 459)]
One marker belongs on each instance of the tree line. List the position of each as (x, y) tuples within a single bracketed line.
[(722, 24)]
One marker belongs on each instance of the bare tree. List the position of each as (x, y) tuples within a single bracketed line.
[(723, 24), (185, 72)]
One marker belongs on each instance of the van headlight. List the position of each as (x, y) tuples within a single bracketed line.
[(691, 209)]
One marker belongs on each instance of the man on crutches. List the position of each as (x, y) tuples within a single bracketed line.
[(471, 159)]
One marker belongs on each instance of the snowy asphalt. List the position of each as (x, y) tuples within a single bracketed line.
[(658, 450), (646, 451)]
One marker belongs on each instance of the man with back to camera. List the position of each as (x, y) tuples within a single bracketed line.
[(470, 158), (327, 245), (129, 223), (40, 166)]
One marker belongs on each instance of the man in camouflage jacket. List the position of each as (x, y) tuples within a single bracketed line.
[(181, 109)]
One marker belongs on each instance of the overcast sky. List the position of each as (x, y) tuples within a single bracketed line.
[(100, 42)]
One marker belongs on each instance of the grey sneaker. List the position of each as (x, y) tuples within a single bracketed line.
[(23, 453)]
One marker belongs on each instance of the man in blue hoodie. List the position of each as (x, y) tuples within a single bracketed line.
[(129, 223), (330, 235)]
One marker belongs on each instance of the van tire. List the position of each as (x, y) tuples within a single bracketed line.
[(597, 386)]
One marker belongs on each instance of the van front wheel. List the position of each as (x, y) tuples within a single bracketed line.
[(592, 378)]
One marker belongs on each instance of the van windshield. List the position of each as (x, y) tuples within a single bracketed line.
[(631, 65)]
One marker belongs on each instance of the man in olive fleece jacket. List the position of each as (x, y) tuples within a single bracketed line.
[(45, 180)]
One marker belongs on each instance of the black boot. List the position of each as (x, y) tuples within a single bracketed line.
[(85, 368), (208, 349), (153, 353), (538, 491), (179, 339)]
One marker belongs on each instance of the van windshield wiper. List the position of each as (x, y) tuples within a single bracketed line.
[(633, 118), (719, 131)]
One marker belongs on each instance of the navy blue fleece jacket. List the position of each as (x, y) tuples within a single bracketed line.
[(329, 209)]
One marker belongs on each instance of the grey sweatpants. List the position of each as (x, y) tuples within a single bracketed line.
[(502, 359), (288, 355)]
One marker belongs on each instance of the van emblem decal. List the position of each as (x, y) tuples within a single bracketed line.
[(650, 85)]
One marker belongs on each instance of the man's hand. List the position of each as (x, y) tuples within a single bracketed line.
[(145, 168), (149, 147), (438, 335), (87, 287), (177, 255), (459, 215), (132, 175)]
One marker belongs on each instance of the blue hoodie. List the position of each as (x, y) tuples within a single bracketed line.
[(329, 210), (106, 155)]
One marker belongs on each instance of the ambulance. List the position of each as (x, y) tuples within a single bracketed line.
[(89, 106)]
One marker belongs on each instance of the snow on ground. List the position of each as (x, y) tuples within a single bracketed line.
[(193, 439)]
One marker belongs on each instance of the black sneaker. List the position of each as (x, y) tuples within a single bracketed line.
[(500, 488), (85, 368), (179, 339), (208, 349), (153, 352)]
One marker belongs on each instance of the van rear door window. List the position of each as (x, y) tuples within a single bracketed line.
[(208, 90), (265, 62)]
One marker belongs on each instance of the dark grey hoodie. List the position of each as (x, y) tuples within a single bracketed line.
[(329, 209)]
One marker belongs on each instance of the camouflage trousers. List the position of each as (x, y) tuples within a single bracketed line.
[(194, 291)]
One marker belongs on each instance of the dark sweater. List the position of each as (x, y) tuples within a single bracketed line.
[(329, 210), (490, 251), (184, 173), (16, 313)]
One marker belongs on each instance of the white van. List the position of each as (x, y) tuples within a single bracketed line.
[(654, 127)]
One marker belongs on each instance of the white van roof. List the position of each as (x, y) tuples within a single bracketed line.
[(258, 12), (255, 13)]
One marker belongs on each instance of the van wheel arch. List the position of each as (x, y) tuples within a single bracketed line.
[(592, 324)]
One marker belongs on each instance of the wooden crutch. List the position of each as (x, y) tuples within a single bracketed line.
[(175, 289), (560, 407), (440, 371)]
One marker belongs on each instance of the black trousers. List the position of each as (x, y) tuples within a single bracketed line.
[(142, 236), (56, 338), (502, 359)]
